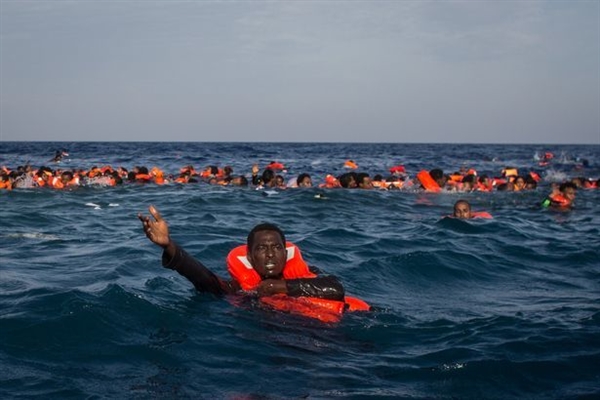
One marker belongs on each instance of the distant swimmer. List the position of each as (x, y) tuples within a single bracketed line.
[(267, 266), (462, 210), (58, 155)]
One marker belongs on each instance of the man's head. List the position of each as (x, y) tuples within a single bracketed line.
[(568, 190), (268, 178), (462, 209), (239, 180), (438, 176), (304, 180), (348, 180), (364, 181), (266, 250)]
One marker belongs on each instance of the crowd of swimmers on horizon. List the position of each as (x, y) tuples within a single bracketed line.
[(272, 177)]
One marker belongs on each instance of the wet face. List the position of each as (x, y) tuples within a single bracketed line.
[(305, 182), (519, 183), (268, 254), (462, 210), (366, 183), (570, 193), (352, 183)]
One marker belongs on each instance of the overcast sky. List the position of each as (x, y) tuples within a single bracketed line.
[(301, 71)]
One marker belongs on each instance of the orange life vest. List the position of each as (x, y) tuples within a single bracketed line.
[(143, 177), (6, 185), (324, 310), (508, 172), (275, 166), (57, 183), (428, 182), (559, 200), (350, 164), (330, 182), (481, 214)]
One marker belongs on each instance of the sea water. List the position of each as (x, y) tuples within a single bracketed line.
[(482, 309)]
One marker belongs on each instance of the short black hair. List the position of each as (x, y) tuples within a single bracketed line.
[(565, 185), (260, 228), (346, 178), (301, 177), (436, 174), (267, 176)]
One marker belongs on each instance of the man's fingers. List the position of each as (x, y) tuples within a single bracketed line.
[(155, 213)]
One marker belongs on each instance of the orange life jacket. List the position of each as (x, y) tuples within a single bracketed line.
[(74, 182), (350, 164), (481, 214), (324, 310), (397, 169), (428, 182), (143, 177), (455, 178), (6, 185), (559, 200), (536, 177), (275, 166), (330, 182), (40, 181), (57, 183), (508, 172)]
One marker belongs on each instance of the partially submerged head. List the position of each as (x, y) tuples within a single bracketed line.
[(568, 190), (304, 180), (266, 250), (438, 176), (462, 209)]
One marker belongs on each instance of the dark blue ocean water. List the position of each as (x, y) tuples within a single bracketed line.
[(507, 308)]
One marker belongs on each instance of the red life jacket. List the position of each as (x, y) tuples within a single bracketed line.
[(295, 268)]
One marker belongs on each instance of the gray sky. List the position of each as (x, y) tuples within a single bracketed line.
[(301, 71)]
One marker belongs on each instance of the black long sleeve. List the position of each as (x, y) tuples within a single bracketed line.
[(204, 280)]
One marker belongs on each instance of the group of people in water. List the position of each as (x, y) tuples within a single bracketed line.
[(271, 270), (268, 267), (272, 176)]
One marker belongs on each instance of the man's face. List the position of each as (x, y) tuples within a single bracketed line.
[(570, 193), (462, 210), (352, 183), (366, 183), (268, 254), (306, 182)]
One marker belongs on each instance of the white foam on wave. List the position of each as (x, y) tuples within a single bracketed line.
[(555, 176), (32, 235)]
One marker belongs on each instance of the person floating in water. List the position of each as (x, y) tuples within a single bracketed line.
[(462, 210), (561, 197), (266, 266), (58, 155)]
